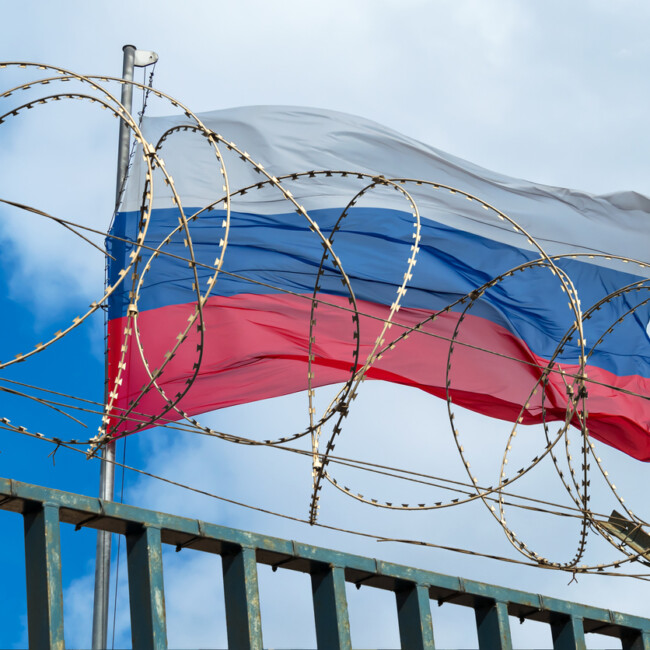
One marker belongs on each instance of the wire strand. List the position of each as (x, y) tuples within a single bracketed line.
[(374, 536)]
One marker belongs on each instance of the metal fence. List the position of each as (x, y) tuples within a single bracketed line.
[(145, 530)]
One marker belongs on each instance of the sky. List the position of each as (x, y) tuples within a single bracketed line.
[(550, 92)]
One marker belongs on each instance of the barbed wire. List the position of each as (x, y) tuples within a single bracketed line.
[(126, 412)]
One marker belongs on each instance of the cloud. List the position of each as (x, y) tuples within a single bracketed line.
[(55, 159)]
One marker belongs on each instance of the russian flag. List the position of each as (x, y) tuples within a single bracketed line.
[(258, 328)]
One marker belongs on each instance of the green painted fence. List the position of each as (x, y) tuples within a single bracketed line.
[(145, 530)]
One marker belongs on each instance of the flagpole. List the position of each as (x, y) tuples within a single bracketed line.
[(131, 58)]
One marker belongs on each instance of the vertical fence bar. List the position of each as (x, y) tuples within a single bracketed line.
[(146, 590), (568, 633), (493, 626), (43, 569), (636, 641), (414, 617), (330, 609), (243, 619)]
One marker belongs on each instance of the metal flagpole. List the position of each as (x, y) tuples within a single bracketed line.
[(132, 58)]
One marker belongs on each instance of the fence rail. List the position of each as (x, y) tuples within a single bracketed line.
[(145, 530)]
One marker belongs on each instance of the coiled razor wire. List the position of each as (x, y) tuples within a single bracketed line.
[(117, 421)]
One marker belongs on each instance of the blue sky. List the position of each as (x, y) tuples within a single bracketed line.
[(551, 92)]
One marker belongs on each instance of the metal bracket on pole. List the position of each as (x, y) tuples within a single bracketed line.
[(141, 59)]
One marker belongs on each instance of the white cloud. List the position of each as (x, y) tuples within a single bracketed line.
[(55, 159)]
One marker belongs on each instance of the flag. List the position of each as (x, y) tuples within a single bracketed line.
[(514, 259)]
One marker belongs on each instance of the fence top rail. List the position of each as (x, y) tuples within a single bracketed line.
[(84, 511)]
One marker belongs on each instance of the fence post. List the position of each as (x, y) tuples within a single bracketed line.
[(330, 609), (493, 626), (414, 617), (43, 572), (146, 590), (243, 619), (568, 633), (636, 641)]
